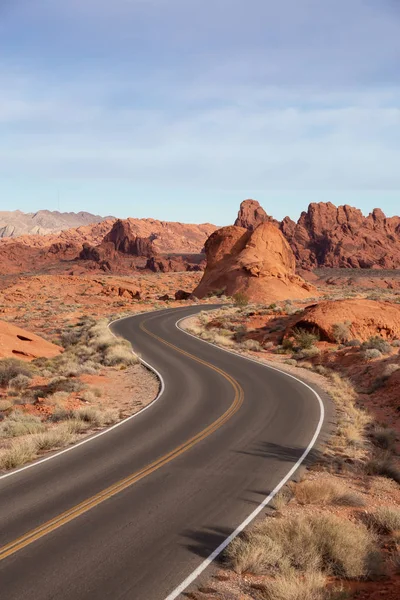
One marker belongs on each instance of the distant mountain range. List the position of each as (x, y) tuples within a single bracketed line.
[(16, 223)]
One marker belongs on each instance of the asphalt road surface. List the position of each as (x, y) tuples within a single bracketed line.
[(132, 513)]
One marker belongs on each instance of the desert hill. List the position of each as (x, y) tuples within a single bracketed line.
[(16, 223)]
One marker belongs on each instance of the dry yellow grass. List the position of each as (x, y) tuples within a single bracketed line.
[(306, 543), (311, 586), (325, 491)]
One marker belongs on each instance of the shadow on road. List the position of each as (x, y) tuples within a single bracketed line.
[(204, 542), (284, 453)]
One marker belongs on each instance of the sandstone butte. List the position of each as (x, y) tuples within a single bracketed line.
[(330, 236), (258, 263), (18, 343), (365, 318)]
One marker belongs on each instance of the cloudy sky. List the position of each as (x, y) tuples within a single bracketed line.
[(179, 109)]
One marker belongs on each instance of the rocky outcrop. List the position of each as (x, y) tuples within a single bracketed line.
[(18, 343), (182, 295), (260, 264), (330, 236), (361, 318), (160, 264), (125, 241), (251, 215)]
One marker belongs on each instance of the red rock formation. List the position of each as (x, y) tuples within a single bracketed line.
[(160, 264), (365, 318), (18, 343), (124, 240), (34, 252), (259, 264), (332, 236), (251, 215)]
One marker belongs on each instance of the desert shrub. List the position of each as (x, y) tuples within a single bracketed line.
[(291, 362), (386, 519), (372, 353), (89, 415), (287, 344), (58, 437), (308, 352), (240, 299), (341, 331), (20, 382), (11, 368), (390, 369), (305, 339), (64, 384), (305, 543), (321, 370), (5, 405), (384, 465), (384, 437), (61, 414), (282, 498), (353, 343), (240, 332), (396, 343), (376, 342), (119, 355), (325, 492), (253, 345), (268, 345), (19, 423), (70, 338), (312, 586), (110, 416), (20, 452)]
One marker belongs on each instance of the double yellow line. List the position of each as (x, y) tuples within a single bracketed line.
[(121, 485)]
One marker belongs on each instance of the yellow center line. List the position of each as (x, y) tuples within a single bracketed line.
[(116, 488)]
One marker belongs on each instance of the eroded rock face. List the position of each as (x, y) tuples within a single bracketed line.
[(251, 215), (159, 264), (124, 240), (24, 345), (363, 318), (332, 236), (259, 264)]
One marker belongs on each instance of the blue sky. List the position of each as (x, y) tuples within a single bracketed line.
[(179, 109)]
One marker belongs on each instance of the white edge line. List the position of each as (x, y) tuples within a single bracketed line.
[(206, 563), (108, 429)]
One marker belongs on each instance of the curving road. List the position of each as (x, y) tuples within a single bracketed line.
[(131, 514)]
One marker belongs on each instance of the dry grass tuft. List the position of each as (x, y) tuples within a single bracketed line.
[(306, 543), (324, 492), (386, 519), (19, 453), (312, 586), (19, 423), (384, 437), (383, 464)]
